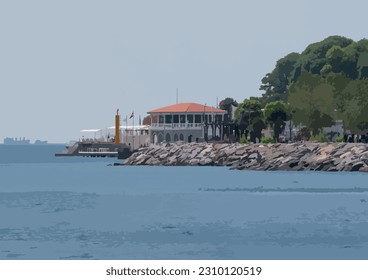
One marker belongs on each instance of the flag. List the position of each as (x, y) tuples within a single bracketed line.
[(132, 115)]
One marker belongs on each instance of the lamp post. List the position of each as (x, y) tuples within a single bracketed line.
[(290, 123), (335, 116)]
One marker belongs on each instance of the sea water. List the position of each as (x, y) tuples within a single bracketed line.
[(87, 208)]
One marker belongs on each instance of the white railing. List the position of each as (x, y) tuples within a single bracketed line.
[(176, 125)]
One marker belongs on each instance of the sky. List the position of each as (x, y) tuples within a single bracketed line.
[(69, 65)]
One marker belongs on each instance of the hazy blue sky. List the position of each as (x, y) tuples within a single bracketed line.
[(68, 65)]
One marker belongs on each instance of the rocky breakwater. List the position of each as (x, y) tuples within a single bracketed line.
[(296, 156)]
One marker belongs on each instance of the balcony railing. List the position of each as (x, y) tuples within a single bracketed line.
[(177, 125)]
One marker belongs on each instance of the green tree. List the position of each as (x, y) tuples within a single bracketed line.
[(227, 104), (334, 57), (249, 118), (257, 125), (314, 57), (354, 106), (276, 113), (334, 54), (355, 63), (312, 100), (275, 84), (326, 82), (351, 97), (362, 65), (339, 82)]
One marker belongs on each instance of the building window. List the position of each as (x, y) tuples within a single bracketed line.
[(176, 118), (218, 118), (181, 137), (168, 119), (190, 118), (182, 118), (161, 119), (210, 118), (197, 118), (176, 138)]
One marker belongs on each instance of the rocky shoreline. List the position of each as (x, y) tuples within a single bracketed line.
[(296, 156)]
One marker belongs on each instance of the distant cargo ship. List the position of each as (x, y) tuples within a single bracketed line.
[(16, 141), (22, 141)]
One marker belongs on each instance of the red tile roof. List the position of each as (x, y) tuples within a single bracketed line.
[(187, 108)]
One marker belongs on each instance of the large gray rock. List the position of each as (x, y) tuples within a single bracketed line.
[(296, 156)]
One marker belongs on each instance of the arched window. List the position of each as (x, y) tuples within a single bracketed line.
[(181, 137), (168, 138), (160, 138), (176, 138)]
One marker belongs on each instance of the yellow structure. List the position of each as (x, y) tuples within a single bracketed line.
[(117, 128)]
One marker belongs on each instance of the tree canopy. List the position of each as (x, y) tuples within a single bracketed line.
[(275, 84), (328, 80), (334, 54), (227, 104), (276, 113), (249, 117), (312, 101)]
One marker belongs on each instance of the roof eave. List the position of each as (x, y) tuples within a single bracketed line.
[(208, 112)]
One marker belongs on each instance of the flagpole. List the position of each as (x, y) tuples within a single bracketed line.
[(126, 129), (139, 131), (133, 130)]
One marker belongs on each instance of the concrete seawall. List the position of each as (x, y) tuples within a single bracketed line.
[(296, 156)]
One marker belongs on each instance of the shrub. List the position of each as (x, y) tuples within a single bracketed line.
[(303, 134), (267, 140), (321, 137), (339, 138), (243, 139)]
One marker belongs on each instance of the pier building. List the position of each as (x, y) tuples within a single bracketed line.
[(187, 122)]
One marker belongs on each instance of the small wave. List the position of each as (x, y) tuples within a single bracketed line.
[(287, 190), (84, 256)]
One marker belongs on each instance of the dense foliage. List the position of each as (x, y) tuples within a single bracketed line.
[(313, 103), (276, 113), (250, 120), (327, 82)]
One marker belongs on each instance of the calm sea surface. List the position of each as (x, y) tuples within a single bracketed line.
[(83, 208)]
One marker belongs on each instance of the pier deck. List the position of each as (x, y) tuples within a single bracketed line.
[(97, 149)]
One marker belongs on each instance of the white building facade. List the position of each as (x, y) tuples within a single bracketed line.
[(187, 122)]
